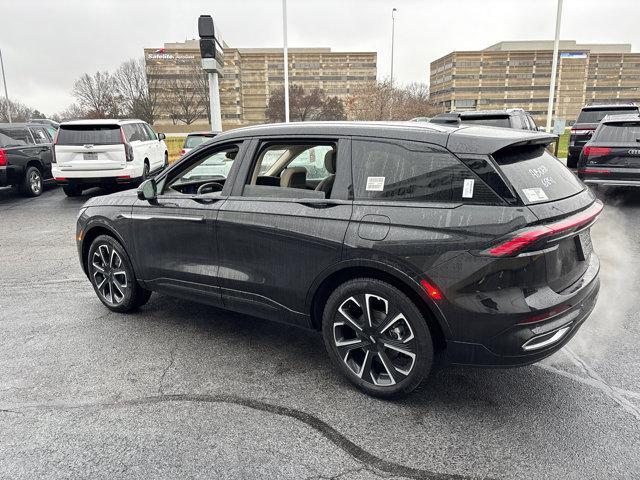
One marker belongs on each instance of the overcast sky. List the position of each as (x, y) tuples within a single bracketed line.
[(47, 44)]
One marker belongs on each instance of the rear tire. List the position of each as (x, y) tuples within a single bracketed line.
[(72, 190), (572, 161), (377, 337), (112, 277), (32, 183)]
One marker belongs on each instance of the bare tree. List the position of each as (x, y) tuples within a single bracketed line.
[(137, 92), (186, 103), (304, 106), (96, 94), (19, 111), (72, 112), (382, 101)]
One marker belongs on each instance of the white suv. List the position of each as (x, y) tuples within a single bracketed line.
[(91, 153)]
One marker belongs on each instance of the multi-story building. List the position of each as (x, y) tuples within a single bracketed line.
[(249, 77), (518, 74)]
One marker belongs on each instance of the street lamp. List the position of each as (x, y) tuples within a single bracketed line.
[(6, 95), (393, 34), (554, 67), (286, 61)]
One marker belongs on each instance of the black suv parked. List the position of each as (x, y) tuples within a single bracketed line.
[(511, 118), (612, 156), (25, 156), (586, 124), (396, 240)]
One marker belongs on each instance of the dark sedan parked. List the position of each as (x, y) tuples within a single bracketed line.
[(396, 240), (25, 156)]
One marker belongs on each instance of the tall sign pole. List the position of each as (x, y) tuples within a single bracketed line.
[(286, 61), (212, 62), (554, 67), (6, 95), (393, 36)]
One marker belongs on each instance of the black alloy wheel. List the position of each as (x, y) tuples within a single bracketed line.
[(377, 336), (112, 276)]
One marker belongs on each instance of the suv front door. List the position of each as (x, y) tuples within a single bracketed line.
[(174, 235), (277, 232)]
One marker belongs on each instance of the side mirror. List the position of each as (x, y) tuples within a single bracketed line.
[(161, 136), (148, 190)]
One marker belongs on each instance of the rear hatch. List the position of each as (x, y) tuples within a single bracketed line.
[(589, 119), (564, 207), (613, 153), (88, 147)]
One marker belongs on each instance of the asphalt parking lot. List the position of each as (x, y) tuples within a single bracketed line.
[(183, 390)]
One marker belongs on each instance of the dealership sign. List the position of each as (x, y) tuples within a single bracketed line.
[(161, 54), (573, 54)]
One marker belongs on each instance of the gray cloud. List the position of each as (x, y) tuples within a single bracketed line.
[(48, 44)]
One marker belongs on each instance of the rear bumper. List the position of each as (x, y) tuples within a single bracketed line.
[(4, 181), (132, 170), (526, 343), (605, 182), (98, 181)]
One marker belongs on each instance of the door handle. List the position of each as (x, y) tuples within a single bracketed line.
[(317, 204), (206, 200)]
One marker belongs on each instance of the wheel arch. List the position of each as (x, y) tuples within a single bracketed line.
[(92, 232), (323, 287)]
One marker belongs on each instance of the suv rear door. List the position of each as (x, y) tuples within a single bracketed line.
[(276, 237), (43, 139), (84, 147), (590, 118)]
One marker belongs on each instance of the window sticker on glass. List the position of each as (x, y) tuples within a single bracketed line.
[(535, 194), (467, 188), (375, 184)]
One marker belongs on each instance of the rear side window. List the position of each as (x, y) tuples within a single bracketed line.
[(414, 172), (595, 115), (40, 135), (490, 121), (623, 132), (89, 134), (537, 175), (15, 137)]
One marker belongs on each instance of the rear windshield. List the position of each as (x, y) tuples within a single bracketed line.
[(594, 116), (623, 132), (495, 121), (192, 141), (537, 175), (89, 134), (14, 137)]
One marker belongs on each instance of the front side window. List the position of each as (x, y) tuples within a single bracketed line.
[(413, 172), (210, 170), (293, 170), (152, 135)]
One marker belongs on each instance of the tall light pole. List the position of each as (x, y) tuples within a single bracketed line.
[(6, 95), (286, 61), (393, 35), (554, 67)]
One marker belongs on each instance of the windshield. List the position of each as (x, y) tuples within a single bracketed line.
[(537, 175), (89, 134), (596, 115), (192, 141), (623, 132), (495, 121)]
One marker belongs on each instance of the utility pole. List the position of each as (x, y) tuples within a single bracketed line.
[(6, 95), (554, 67), (286, 61), (393, 34)]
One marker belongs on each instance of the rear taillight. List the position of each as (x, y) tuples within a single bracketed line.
[(593, 171), (128, 149), (183, 151), (595, 151), (3, 158), (521, 239), (582, 131), (53, 149)]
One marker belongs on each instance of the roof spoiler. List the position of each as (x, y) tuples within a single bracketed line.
[(451, 118), (473, 140)]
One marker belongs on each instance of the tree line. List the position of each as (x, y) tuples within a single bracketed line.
[(135, 90)]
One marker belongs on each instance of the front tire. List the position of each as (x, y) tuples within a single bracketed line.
[(377, 337), (32, 184), (112, 277)]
